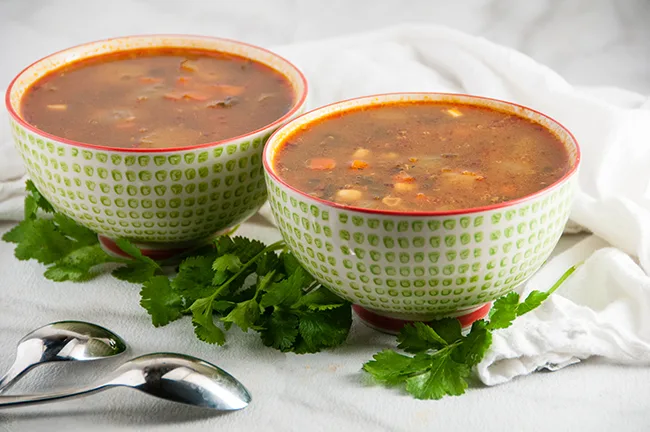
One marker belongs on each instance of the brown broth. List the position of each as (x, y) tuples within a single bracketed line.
[(421, 156), (157, 98)]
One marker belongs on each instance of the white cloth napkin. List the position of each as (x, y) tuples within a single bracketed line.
[(604, 309)]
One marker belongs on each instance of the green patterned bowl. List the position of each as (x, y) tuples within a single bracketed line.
[(404, 266), (152, 196)]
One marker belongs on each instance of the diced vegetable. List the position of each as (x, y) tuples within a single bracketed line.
[(358, 165), (361, 153), (403, 177), (348, 195), (321, 164), (228, 90), (57, 107), (454, 112), (391, 201), (404, 187)]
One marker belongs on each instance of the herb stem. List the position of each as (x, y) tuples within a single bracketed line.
[(270, 248)]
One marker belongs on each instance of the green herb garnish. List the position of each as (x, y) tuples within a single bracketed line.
[(232, 281), (442, 357)]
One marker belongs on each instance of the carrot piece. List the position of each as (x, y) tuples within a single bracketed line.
[(402, 177), (421, 197), (150, 80), (195, 96), (173, 96), (359, 165), (229, 90), (321, 164)]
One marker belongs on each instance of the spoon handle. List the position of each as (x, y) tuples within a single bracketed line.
[(18, 401), (20, 366)]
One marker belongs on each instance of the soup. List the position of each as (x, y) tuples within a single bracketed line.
[(157, 98), (421, 156)]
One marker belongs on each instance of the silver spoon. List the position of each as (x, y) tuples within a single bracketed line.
[(62, 341), (174, 377)]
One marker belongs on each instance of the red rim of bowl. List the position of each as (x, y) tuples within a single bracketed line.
[(270, 171), (300, 99)]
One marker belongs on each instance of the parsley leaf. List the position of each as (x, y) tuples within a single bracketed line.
[(161, 301), (444, 376), (504, 311), (77, 265), (324, 329), (419, 337), (443, 358), (194, 278), (279, 329), (204, 326), (38, 199), (141, 269)]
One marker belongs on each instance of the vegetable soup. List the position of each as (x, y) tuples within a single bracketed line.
[(157, 98), (421, 156)]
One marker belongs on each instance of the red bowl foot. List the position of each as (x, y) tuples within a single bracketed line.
[(394, 325)]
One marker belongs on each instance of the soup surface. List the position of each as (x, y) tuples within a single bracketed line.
[(155, 98), (421, 156)]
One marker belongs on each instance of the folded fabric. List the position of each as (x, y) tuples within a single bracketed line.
[(603, 308)]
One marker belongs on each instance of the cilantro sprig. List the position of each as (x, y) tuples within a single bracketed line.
[(443, 357), (232, 281)]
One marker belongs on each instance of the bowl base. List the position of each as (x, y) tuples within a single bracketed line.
[(394, 325), (157, 251)]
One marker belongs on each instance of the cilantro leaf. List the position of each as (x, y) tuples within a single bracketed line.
[(227, 262), (267, 263), (39, 199), (140, 270), (135, 272), (131, 250), (504, 311), (77, 265), (43, 242), (161, 302), (444, 377), (474, 345), (71, 229), (18, 233), (391, 368), (290, 262), (280, 329), (324, 329), (419, 337), (321, 299), (244, 314), (194, 278), (285, 292), (203, 322), (31, 207)]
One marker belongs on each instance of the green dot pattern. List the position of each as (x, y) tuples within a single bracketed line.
[(421, 267), (159, 197)]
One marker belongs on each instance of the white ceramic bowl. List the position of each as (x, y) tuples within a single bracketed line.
[(167, 195), (421, 265)]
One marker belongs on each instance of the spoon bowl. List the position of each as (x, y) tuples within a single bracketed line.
[(174, 377), (62, 341)]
